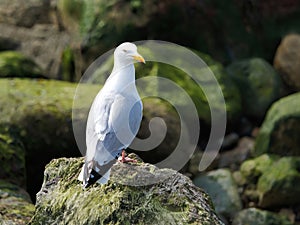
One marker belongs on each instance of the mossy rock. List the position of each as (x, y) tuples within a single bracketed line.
[(221, 187), (173, 200), (279, 131), (279, 183), (253, 216), (12, 160), (15, 64), (15, 205), (258, 82), (252, 169), (39, 113)]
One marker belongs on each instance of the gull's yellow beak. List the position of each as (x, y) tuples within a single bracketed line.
[(139, 58)]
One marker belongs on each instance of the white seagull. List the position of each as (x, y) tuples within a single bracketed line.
[(114, 118)]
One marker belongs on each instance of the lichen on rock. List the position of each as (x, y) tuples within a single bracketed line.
[(173, 200)]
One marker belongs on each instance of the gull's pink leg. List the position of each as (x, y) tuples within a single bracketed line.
[(125, 159)]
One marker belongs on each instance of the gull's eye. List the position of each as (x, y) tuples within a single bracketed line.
[(124, 50)]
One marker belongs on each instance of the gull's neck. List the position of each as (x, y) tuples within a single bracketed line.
[(122, 78)]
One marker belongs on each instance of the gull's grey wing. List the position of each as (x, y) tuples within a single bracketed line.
[(135, 117)]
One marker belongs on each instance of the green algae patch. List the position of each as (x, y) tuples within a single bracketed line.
[(173, 200)]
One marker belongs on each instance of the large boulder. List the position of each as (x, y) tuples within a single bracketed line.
[(258, 83), (15, 205), (128, 198), (39, 113), (287, 60), (279, 131), (253, 216), (15, 64), (221, 187)]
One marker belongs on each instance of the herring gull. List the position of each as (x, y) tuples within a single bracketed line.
[(114, 118)]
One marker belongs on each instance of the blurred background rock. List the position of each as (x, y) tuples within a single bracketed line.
[(253, 48)]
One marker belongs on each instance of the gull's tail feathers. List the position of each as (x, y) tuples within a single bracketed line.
[(92, 173)]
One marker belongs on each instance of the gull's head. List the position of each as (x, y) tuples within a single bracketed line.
[(126, 54)]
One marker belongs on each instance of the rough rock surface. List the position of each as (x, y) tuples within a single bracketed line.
[(24, 14), (253, 216), (33, 28), (126, 199), (258, 83), (221, 187), (15, 205), (287, 60), (279, 131)]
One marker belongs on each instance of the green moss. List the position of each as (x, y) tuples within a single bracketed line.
[(63, 201), (278, 133), (14, 64)]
